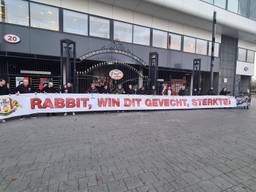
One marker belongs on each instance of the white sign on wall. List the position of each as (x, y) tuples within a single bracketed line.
[(243, 68), (11, 38)]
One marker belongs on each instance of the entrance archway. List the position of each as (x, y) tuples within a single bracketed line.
[(96, 65)]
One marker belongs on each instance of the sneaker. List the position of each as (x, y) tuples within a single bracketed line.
[(73, 113), (3, 121), (65, 114)]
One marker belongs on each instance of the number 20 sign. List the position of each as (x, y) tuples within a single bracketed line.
[(11, 38)]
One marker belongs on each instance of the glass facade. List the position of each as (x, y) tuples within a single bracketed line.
[(74, 22), (159, 39), (243, 8), (141, 35), (122, 32), (250, 56), (99, 27), (189, 44), (201, 47), (246, 8), (252, 11), (45, 17), (242, 55), (15, 12), (216, 49), (233, 5), (220, 3), (174, 41)]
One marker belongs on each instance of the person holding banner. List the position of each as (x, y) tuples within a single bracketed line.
[(49, 88), (4, 90), (93, 89), (120, 89), (130, 90), (68, 88), (24, 87)]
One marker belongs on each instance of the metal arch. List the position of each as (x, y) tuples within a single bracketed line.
[(116, 48), (90, 69)]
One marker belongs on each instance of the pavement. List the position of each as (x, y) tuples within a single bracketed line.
[(164, 151)]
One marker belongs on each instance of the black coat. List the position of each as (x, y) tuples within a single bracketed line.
[(22, 89), (49, 90), (4, 90), (93, 90), (130, 91)]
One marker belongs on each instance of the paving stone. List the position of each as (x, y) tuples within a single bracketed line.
[(179, 151)]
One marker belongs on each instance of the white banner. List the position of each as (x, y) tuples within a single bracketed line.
[(25, 104)]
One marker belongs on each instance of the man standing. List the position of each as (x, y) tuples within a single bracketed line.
[(3, 88), (49, 88), (130, 90), (24, 87)]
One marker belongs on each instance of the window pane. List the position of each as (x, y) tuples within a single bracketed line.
[(141, 35), (43, 16), (242, 54), (209, 1), (75, 22), (189, 44), (122, 32), (159, 39), (253, 10), (174, 41), (233, 5), (99, 27), (243, 7), (216, 49), (15, 11), (201, 47), (250, 56), (220, 3)]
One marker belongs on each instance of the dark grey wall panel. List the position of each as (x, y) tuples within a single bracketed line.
[(228, 63), (44, 42)]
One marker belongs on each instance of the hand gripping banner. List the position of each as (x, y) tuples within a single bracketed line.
[(26, 104)]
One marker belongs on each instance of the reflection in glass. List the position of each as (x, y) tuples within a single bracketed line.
[(189, 44), (122, 32), (220, 3), (74, 22), (159, 39), (45, 17), (141, 35), (174, 41), (201, 47), (250, 56), (15, 12), (216, 49), (99, 27), (242, 54), (233, 5)]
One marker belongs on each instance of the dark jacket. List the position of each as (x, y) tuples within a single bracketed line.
[(141, 92), (223, 92), (49, 90), (182, 92), (105, 91), (4, 90), (93, 90), (67, 90), (22, 89), (130, 91)]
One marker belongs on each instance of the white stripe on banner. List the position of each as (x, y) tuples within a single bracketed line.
[(25, 104)]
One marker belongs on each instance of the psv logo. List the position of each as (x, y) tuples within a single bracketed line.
[(8, 106), (11, 38)]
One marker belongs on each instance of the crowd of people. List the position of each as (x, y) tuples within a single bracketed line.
[(101, 86)]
